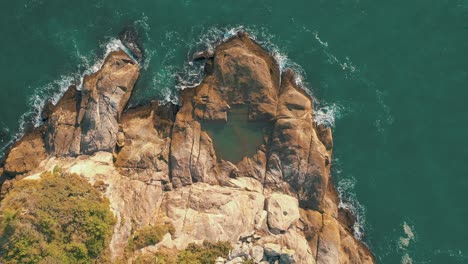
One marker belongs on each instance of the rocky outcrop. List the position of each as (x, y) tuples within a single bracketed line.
[(159, 163), (283, 212), (104, 96), (86, 121), (130, 39), (143, 143), (62, 135), (26, 154)]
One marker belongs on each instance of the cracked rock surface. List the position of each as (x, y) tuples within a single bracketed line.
[(157, 164)]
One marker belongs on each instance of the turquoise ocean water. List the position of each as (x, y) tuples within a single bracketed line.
[(390, 76)]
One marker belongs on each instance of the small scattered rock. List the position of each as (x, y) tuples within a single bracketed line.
[(120, 139), (203, 55), (272, 250), (287, 256), (257, 253), (237, 260), (129, 38), (47, 109)]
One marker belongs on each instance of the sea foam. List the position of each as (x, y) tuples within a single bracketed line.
[(349, 201), (404, 243), (326, 115), (54, 90)]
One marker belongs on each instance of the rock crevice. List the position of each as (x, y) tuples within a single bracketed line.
[(158, 164)]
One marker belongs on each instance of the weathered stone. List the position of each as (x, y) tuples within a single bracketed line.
[(297, 158), (129, 37), (352, 250), (272, 250), (261, 222), (203, 55), (220, 260), (237, 260), (104, 96), (239, 250), (287, 256), (312, 222), (26, 154), (283, 211), (156, 163), (199, 212), (62, 135), (257, 253), (347, 218), (143, 152)]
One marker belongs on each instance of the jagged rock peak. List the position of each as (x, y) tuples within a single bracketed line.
[(274, 201)]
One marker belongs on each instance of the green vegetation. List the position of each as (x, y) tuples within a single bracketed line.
[(149, 235), (60, 218), (207, 253)]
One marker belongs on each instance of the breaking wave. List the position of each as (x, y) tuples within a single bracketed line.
[(327, 115), (192, 73), (349, 201), (54, 90)]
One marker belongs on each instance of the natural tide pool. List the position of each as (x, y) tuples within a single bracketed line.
[(238, 137)]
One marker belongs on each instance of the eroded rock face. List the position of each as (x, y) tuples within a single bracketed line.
[(26, 154), (209, 212), (143, 144), (129, 37), (158, 163), (62, 134), (104, 96), (87, 121), (283, 211)]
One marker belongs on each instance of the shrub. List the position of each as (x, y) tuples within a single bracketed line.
[(149, 235), (207, 253), (204, 254), (58, 219)]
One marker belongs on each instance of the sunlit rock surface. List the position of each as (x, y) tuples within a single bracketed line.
[(273, 201)]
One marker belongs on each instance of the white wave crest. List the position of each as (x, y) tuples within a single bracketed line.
[(192, 73), (404, 241), (327, 115), (54, 90), (348, 200)]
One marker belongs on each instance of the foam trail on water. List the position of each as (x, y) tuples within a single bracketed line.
[(346, 64), (349, 201), (404, 242)]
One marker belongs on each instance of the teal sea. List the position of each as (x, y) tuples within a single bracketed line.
[(391, 77)]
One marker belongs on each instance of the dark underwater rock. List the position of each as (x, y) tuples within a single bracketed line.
[(130, 38)]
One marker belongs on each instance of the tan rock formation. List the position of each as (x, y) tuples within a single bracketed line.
[(104, 96), (158, 163), (283, 211), (62, 136), (143, 144), (26, 154)]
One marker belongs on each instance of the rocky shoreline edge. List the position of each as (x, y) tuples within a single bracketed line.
[(157, 164)]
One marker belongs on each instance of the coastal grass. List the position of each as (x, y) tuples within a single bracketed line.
[(206, 253), (149, 235), (59, 218)]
